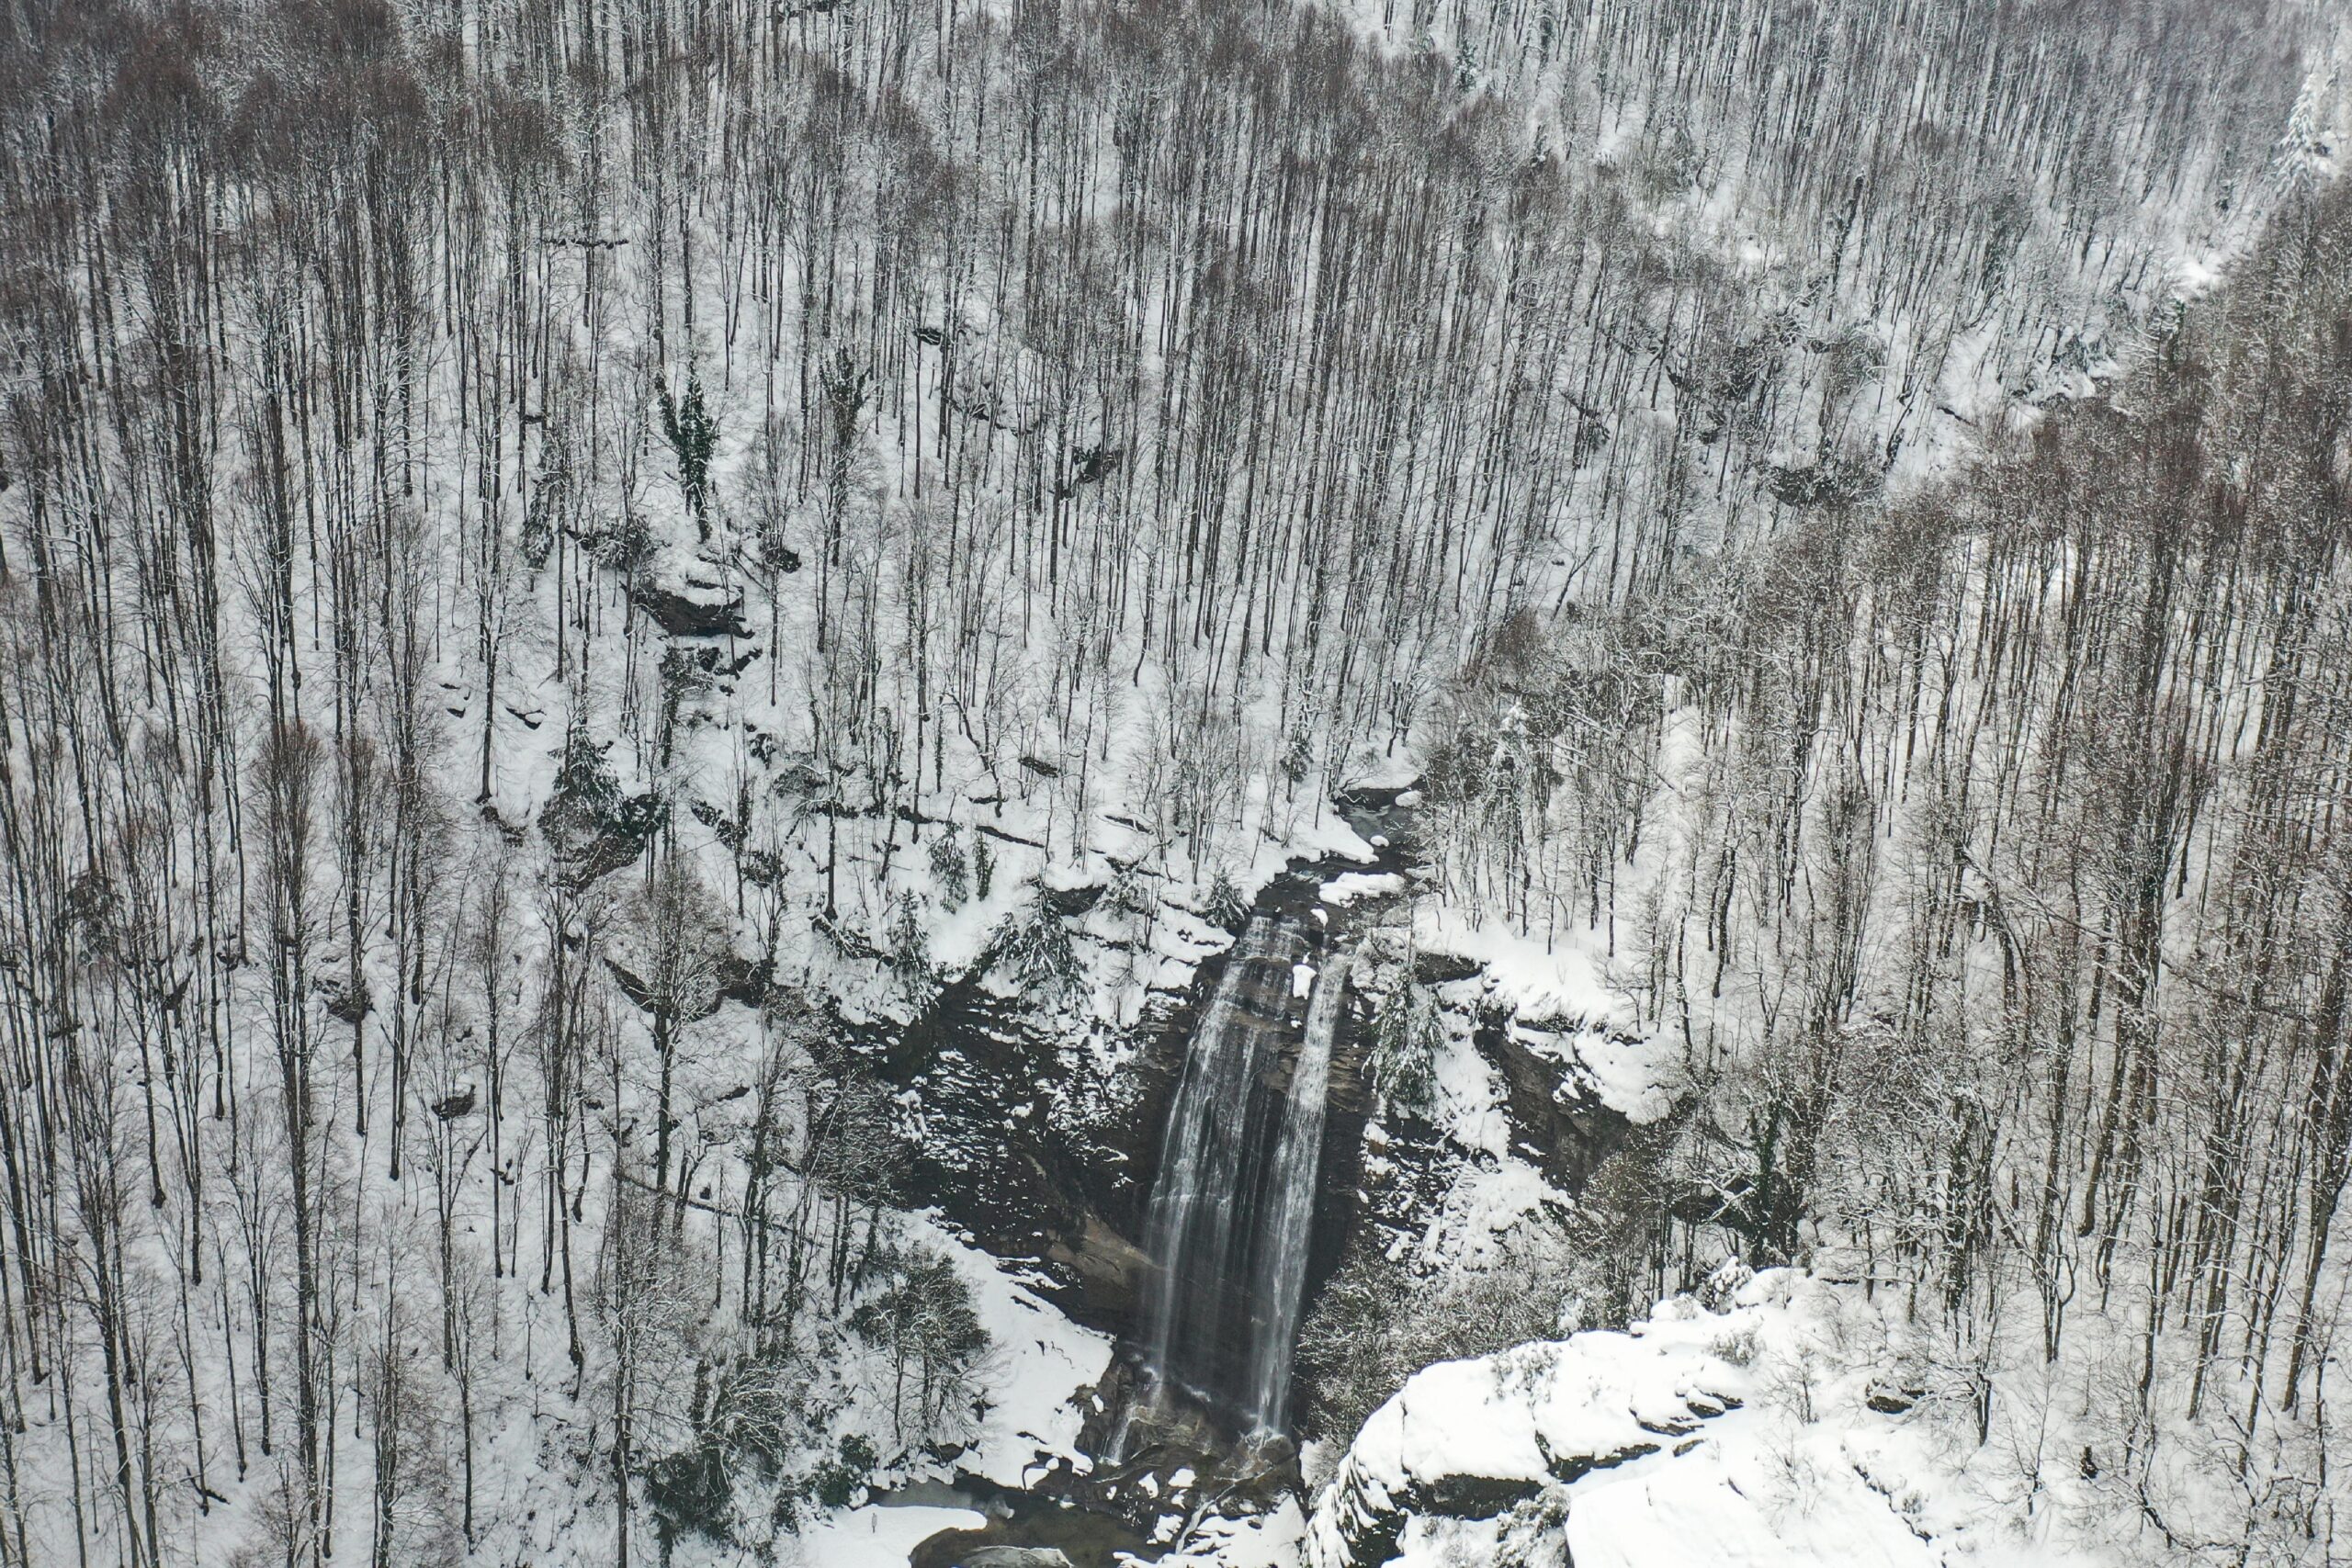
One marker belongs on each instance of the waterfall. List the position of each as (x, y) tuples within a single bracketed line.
[(1290, 1218), (1207, 1165), (1233, 1208)]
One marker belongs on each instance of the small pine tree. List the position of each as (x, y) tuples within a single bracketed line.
[(1225, 905), (582, 775), (983, 865), (693, 437), (1405, 1044), (910, 952), (950, 870), (1033, 945)]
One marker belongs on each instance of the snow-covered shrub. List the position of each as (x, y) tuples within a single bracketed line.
[(1377, 1323), (949, 868), (1033, 946), (625, 546), (1535, 1533), (1406, 1039)]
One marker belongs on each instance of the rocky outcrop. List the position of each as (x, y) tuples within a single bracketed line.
[(591, 828), (689, 606), (1555, 1121), (1470, 1439), (1110, 1270), (1037, 1156)]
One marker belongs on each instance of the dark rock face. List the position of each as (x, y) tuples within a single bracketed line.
[(1564, 1130), (1111, 1272), (693, 609), (1030, 1158)]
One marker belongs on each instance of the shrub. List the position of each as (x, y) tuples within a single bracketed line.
[(1033, 945), (1405, 1043), (949, 869)]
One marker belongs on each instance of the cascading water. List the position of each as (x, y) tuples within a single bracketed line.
[(1290, 1214), (1205, 1164), (1232, 1210)]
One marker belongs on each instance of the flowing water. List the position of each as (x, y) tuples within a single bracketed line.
[(1290, 1211), (1233, 1209)]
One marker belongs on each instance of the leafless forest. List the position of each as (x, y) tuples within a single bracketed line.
[(577, 575)]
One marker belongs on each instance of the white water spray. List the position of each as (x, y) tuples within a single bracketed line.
[(1283, 1238)]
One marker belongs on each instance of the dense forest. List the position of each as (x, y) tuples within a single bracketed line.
[(578, 576)]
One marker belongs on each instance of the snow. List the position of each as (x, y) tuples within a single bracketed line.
[(1741, 1438), (1528, 1416), (2198, 277), (1726, 1503), (1487, 1200), (879, 1535), (1522, 973), (1040, 1363), (1559, 997), (1350, 886), (1266, 1541), (1469, 1093)]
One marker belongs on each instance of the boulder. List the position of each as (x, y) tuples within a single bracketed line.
[(591, 828)]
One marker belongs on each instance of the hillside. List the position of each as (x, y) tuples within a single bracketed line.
[(790, 779)]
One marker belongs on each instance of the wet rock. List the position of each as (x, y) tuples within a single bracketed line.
[(1109, 1270)]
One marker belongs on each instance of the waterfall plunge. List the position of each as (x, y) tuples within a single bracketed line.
[(1233, 1209), (1290, 1217)]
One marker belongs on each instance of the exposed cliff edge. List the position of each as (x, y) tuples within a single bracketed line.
[(1471, 1439), (1770, 1420)]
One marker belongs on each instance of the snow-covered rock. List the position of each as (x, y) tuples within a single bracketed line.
[(1470, 1439)]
